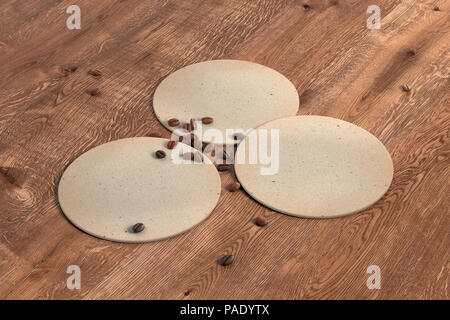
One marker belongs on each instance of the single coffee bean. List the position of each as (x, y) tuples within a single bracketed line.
[(207, 120), (160, 154), (223, 167), (198, 157), (226, 156), (187, 127), (70, 69), (436, 9), (195, 142), (138, 227), (94, 92), (235, 186), (406, 88), (411, 53), (171, 144), (261, 221), (208, 148), (226, 260), (174, 122), (155, 134), (193, 124), (238, 136), (95, 73), (188, 156)]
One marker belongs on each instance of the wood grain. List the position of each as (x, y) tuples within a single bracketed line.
[(340, 68)]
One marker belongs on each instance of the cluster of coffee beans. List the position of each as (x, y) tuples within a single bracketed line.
[(197, 156)]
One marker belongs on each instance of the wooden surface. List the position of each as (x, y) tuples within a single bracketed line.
[(340, 68)]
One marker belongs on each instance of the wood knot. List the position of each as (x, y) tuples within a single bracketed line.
[(411, 53), (7, 175)]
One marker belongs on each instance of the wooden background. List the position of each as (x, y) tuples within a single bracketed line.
[(340, 68)]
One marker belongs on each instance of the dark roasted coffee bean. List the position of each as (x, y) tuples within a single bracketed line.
[(261, 221), (223, 167), (94, 92), (188, 156), (226, 260), (174, 122), (171, 144), (198, 157), (155, 134), (138, 227), (187, 127), (208, 148), (235, 186), (226, 156), (406, 88), (160, 154), (207, 120), (411, 53), (195, 142), (193, 124), (95, 73)]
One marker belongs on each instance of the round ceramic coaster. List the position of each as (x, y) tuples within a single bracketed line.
[(109, 189), (327, 167), (238, 95)]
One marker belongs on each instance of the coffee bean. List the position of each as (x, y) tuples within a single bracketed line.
[(94, 92), (436, 9), (226, 156), (188, 156), (411, 53), (70, 69), (155, 134), (174, 122), (187, 127), (138, 227), (235, 186), (226, 260), (406, 88), (160, 154), (95, 73), (207, 120), (171, 144), (261, 221), (195, 142), (193, 124), (208, 148), (198, 157), (223, 167)]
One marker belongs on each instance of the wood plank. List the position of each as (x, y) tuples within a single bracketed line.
[(339, 67)]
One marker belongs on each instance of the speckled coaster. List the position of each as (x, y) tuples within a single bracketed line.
[(237, 94), (327, 168), (112, 187)]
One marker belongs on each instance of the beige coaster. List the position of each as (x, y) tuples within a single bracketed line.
[(237, 94), (112, 187), (327, 168)]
